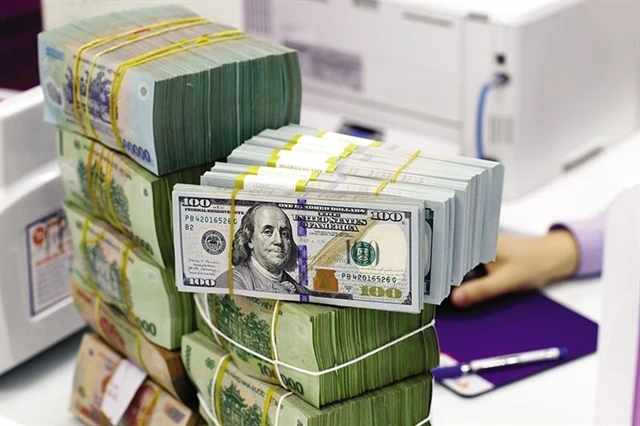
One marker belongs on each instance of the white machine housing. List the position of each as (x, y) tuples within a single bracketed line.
[(36, 310), (573, 70)]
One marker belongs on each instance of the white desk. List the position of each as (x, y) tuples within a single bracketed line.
[(38, 392)]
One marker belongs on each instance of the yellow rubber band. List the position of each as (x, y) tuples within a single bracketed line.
[(253, 170), (83, 249), (218, 387), (267, 401), (301, 184), (240, 181), (149, 408), (99, 42), (123, 281), (381, 187), (321, 133), (111, 211), (402, 167), (139, 338), (232, 215), (375, 144), (181, 46), (272, 161), (134, 38), (91, 173)]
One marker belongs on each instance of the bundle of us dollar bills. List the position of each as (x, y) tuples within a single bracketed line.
[(460, 198), (327, 248), (166, 86)]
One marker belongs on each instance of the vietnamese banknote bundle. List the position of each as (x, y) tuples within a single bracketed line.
[(125, 276), (111, 185), (321, 353), (230, 397), (165, 86), (327, 248), (97, 381), (163, 366)]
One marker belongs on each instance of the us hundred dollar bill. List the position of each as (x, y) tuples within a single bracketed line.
[(322, 248)]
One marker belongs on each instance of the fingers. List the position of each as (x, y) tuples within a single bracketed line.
[(496, 282)]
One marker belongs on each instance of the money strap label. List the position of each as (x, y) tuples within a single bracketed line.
[(181, 46), (269, 183), (121, 389), (278, 172), (133, 37), (350, 139), (276, 362), (403, 166)]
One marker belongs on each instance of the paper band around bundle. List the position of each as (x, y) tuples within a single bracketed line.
[(147, 409), (276, 362)]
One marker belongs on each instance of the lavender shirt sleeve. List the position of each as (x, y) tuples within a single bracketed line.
[(589, 235)]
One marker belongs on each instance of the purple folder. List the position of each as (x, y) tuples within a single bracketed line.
[(510, 324)]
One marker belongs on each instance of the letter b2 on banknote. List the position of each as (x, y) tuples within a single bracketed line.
[(338, 251)]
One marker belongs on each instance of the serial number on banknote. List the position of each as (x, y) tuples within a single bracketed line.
[(209, 219), (369, 278)]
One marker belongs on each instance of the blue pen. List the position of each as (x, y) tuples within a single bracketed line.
[(539, 355)]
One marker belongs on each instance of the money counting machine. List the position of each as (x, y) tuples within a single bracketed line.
[(36, 310), (539, 85)]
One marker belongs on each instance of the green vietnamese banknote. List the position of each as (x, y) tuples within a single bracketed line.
[(127, 196), (165, 86), (123, 275), (234, 398), (311, 339)]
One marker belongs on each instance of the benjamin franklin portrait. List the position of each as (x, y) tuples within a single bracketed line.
[(264, 253)]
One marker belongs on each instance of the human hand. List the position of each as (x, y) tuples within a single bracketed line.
[(522, 264)]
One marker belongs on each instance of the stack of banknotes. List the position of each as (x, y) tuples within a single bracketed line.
[(167, 87), (142, 100), (368, 224), (98, 375), (281, 362)]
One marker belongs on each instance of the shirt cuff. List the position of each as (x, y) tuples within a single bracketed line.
[(589, 236)]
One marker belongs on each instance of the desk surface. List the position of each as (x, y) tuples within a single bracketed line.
[(561, 396)]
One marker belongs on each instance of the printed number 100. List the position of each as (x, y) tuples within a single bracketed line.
[(375, 291)]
